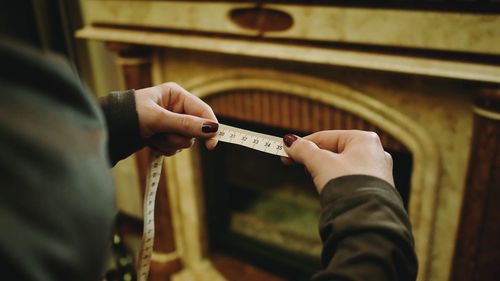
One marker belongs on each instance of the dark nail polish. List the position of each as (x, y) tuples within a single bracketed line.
[(209, 127), (289, 139)]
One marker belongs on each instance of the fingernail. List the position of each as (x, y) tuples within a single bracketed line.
[(289, 139), (209, 127)]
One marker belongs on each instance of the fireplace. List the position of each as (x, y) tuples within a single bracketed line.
[(325, 69), (259, 210), (242, 192)]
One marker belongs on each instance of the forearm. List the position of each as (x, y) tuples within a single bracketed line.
[(365, 231), (122, 124)]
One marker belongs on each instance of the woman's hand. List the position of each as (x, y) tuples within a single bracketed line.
[(170, 118), (331, 154)]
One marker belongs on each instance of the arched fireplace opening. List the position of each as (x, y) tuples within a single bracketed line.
[(260, 211)]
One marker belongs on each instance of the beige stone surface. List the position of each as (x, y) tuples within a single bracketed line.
[(106, 76), (128, 193), (208, 16), (465, 32)]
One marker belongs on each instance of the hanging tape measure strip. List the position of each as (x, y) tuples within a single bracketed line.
[(148, 235), (262, 142)]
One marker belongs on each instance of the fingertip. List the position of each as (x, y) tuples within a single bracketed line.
[(286, 160), (210, 144), (299, 149), (209, 127), (289, 139)]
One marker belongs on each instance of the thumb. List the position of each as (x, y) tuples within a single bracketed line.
[(299, 149), (188, 125)]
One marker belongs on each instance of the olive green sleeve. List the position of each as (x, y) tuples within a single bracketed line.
[(365, 231)]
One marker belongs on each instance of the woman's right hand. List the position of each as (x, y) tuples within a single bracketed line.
[(332, 154)]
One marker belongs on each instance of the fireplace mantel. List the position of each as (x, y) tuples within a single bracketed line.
[(447, 87), (375, 37), (393, 62)]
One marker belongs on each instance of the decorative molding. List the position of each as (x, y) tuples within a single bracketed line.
[(493, 115), (431, 30), (132, 60), (202, 16), (184, 183), (164, 257), (435, 67), (477, 247)]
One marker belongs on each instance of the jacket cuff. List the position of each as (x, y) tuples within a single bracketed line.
[(122, 123), (349, 185)]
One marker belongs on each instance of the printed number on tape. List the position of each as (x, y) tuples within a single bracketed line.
[(262, 142)]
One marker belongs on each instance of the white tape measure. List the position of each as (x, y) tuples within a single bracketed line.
[(148, 235), (262, 142)]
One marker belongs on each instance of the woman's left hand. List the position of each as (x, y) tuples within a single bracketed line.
[(170, 118)]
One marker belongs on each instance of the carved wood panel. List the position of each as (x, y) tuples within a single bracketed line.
[(477, 246)]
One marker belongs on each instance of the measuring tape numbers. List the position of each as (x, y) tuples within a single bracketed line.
[(262, 142)]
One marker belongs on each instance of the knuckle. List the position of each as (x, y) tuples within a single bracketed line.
[(185, 123), (207, 110), (171, 85), (302, 144), (306, 148), (370, 136), (373, 136), (388, 157)]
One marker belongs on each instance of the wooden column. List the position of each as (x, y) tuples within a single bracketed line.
[(135, 62), (477, 248)]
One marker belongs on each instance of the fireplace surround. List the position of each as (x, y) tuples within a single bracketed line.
[(433, 106), (358, 112)]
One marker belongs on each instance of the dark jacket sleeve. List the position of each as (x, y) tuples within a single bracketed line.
[(57, 202), (122, 124), (365, 231)]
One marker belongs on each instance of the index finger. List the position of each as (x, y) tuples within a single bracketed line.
[(191, 104)]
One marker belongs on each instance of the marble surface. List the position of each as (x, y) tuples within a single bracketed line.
[(452, 31)]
